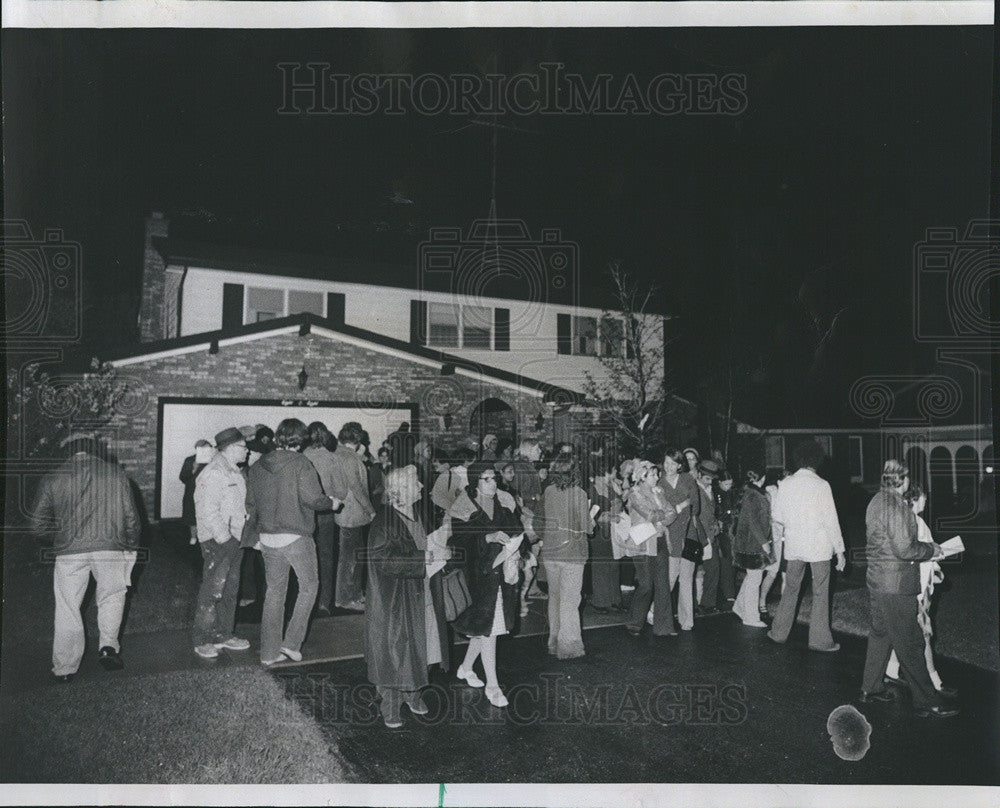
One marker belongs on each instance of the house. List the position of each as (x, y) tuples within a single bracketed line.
[(233, 336)]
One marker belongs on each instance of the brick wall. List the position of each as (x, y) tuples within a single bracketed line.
[(267, 368)]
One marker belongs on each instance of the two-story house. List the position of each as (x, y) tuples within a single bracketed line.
[(456, 345)]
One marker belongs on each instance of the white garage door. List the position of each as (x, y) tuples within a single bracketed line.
[(184, 423)]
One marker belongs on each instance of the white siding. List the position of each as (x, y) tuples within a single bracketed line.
[(386, 310)]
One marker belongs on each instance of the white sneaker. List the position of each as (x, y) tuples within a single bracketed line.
[(295, 656), (234, 644), (206, 651)]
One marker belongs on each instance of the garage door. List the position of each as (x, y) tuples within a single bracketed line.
[(183, 422)]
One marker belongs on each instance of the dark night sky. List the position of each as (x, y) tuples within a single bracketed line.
[(854, 141)]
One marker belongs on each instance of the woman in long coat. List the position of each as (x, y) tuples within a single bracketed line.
[(484, 521), (752, 546), (396, 617)]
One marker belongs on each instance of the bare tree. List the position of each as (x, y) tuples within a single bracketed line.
[(631, 391)]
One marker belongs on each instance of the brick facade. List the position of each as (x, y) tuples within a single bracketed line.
[(267, 368), (152, 325)]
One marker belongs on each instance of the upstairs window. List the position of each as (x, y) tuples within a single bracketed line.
[(450, 325), (442, 321), (299, 302), (612, 336), (268, 303), (477, 325), (264, 304), (585, 336)]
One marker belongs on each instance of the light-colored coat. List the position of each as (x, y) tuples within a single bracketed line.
[(804, 515), (349, 483), (220, 495)]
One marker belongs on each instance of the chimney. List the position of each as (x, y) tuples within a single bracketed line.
[(152, 324)]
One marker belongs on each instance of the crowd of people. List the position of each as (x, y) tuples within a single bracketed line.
[(430, 543)]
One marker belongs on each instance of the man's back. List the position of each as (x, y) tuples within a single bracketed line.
[(87, 504)]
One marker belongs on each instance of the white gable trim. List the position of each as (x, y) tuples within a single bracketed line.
[(327, 334)]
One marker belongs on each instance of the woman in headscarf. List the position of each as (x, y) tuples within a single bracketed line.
[(647, 506), (400, 638), (485, 523)]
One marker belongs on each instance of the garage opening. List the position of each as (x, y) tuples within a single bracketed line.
[(182, 422)]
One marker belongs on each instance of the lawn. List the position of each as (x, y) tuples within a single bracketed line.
[(161, 598), (217, 726)]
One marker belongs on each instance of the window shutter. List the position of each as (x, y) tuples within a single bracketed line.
[(418, 322), (232, 306), (564, 334), (501, 329), (335, 307)]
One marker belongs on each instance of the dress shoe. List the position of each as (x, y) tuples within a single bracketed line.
[(938, 711), (774, 639), (670, 632), (633, 630), (876, 696), (110, 659), (948, 692), (827, 650), (496, 697), (62, 678), (470, 678)]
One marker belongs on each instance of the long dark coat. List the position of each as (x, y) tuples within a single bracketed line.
[(395, 617), (395, 620), (469, 543)]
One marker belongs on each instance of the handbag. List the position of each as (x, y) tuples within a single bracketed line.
[(456, 594), (693, 549)]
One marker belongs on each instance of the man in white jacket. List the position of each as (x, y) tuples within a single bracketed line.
[(804, 515), (220, 507)]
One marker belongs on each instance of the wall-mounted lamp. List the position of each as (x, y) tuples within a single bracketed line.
[(539, 422), (447, 419), (303, 378)]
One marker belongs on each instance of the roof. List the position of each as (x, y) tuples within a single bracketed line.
[(515, 281), (309, 323)]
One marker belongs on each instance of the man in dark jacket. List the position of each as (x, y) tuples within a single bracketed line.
[(283, 495), (893, 578), (86, 505), (190, 469)]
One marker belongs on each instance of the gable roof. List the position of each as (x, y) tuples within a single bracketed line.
[(306, 323), (506, 285)]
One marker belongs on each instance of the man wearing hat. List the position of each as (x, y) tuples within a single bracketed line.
[(86, 506), (220, 508), (707, 577)]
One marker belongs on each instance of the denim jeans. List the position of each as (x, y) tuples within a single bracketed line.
[(350, 566), (215, 609), (326, 555), (112, 570), (300, 556), (565, 585)]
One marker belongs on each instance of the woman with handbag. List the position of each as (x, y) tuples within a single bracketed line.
[(651, 515), (684, 542), (752, 546), (485, 524)]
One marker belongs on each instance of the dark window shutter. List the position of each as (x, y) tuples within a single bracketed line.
[(501, 329), (564, 334), (418, 322), (232, 306), (335, 307)]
